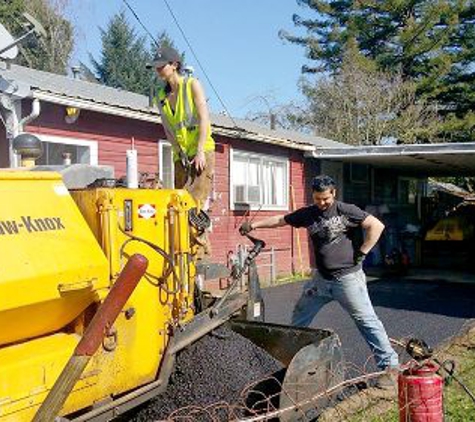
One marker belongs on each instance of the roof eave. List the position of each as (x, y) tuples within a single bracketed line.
[(391, 150), (89, 105)]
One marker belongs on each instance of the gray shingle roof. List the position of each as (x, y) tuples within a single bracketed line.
[(290, 135), (99, 94), (64, 85)]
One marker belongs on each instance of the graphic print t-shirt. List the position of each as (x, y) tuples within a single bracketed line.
[(333, 231)]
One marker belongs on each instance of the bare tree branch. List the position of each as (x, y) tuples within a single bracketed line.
[(363, 106)]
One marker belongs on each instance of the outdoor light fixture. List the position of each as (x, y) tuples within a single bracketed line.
[(72, 114)]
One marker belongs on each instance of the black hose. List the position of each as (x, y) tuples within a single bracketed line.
[(449, 367), (170, 268)]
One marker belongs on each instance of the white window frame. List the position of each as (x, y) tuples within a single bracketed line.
[(93, 145), (161, 144), (242, 206)]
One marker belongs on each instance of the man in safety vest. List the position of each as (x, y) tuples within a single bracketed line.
[(185, 118)]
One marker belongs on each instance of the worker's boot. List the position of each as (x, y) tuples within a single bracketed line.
[(388, 380)]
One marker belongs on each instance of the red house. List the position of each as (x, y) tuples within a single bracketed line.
[(258, 170)]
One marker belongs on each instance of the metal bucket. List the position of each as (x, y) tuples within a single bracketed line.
[(313, 362)]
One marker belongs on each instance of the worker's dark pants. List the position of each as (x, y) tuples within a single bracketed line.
[(351, 292)]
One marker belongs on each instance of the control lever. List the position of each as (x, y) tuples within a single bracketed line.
[(239, 271), (251, 256)]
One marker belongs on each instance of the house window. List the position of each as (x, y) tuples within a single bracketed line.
[(258, 181), (56, 148), (166, 167)]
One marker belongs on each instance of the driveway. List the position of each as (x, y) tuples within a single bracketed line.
[(432, 310)]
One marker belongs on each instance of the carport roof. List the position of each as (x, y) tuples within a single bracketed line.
[(452, 159)]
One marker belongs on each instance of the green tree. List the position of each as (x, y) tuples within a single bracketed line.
[(11, 15), (50, 53), (396, 33), (122, 58), (431, 42)]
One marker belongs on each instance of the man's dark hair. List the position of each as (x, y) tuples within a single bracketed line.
[(322, 183)]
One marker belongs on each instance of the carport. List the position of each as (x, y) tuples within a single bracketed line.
[(391, 182), (420, 160)]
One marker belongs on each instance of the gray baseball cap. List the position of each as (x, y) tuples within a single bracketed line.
[(163, 56)]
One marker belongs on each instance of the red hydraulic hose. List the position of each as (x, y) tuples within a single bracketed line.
[(92, 339)]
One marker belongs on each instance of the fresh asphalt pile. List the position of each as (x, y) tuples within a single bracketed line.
[(213, 370)]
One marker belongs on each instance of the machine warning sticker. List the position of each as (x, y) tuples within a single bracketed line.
[(28, 224), (147, 211)]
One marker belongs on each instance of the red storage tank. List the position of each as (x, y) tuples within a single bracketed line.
[(420, 394)]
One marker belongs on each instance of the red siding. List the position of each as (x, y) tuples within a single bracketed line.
[(225, 236), (114, 137), (113, 134)]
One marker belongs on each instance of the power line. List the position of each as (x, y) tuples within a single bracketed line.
[(136, 16), (140, 22), (198, 61)]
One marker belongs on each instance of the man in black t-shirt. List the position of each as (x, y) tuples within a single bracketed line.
[(333, 227)]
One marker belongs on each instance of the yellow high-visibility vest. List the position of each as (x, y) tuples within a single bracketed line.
[(183, 121)]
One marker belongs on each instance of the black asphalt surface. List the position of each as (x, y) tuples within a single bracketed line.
[(217, 368), (432, 311)]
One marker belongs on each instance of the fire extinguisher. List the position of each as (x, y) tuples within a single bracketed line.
[(421, 386), (420, 394)]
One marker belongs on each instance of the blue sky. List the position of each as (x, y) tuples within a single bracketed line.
[(236, 41)]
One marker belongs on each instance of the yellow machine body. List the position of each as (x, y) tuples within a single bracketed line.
[(453, 228), (52, 281), (52, 268)]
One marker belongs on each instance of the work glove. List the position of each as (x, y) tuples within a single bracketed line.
[(358, 257), (245, 228)]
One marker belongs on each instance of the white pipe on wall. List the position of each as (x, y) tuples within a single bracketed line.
[(132, 169)]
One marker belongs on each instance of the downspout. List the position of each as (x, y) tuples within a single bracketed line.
[(13, 125), (35, 112), (291, 200), (18, 126)]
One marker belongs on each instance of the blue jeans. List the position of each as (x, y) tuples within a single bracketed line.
[(351, 292)]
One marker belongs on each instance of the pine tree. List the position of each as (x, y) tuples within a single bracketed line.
[(123, 57), (431, 42), (396, 33)]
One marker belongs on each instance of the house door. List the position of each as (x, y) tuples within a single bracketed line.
[(334, 169)]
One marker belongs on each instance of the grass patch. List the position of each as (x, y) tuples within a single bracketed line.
[(458, 406), (285, 279), (292, 278), (388, 416)]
